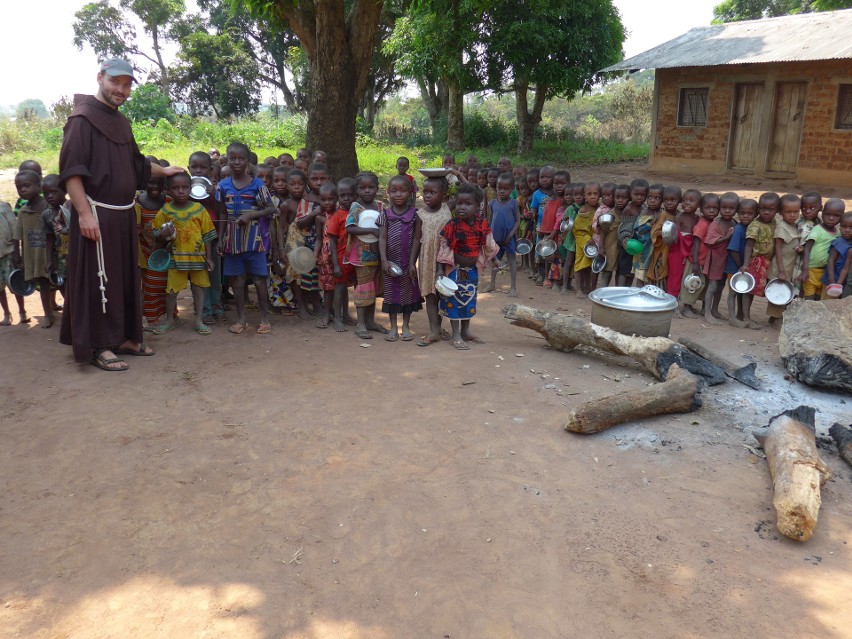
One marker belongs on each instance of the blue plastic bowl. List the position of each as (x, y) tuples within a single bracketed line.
[(159, 260)]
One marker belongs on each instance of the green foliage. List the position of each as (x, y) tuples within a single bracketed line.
[(104, 28), (148, 102), (737, 10), (217, 75), (61, 109), (32, 109)]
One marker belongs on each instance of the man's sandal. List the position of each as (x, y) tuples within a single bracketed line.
[(104, 363)]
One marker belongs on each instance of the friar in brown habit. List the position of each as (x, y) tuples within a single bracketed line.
[(101, 168)]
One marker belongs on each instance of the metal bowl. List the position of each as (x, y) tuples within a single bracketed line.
[(591, 250), (567, 226), (598, 264), (646, 311), (56, 279), (20, 286), (742, 282), (198, 187), (395, 269), (439, 172), (523, 247), (605, 221), (446, 287), (692, 283), (545, 248), (302, 260), (779, 292), (669, 232)]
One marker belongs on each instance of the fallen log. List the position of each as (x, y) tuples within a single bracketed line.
[(842, 436), (678, 394), (743, 374), (655, 354), (796, 469)]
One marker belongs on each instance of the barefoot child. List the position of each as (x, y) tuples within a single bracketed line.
[(400, 232), (658, 269), (718, 236), (344, 274), (301, 231), (526, 229), (638, 195), (32, 233), (281, 299), (815, 255), (402, 166), (609, 236), (505, 221), (148, 204), (201, 165), (362, 252), (787, 263), (837, 270), (466, 245), (582, 236), (543, 179), (57, 218), (746, 212), (709, 209), (325, 264), (760, 247), (575, 199), (8, 225), (433, 217), (642, 230), (681, 250), (244, 233), (192, 258)]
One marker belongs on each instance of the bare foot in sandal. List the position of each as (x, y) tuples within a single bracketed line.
[(460, 345), (322, 322), (392, 337)]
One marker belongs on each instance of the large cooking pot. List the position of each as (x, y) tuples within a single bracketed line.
[(645, 311)]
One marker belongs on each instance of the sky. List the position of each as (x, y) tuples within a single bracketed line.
[(55, 67)]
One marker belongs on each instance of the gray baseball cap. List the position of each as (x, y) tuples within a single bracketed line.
[(116, 67)]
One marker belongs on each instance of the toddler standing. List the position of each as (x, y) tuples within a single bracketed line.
[(192, 258), (609, 246), (815, 255), (759, 249), (400, 231), (433, 217), (658, 268), (8, 254), (642, 229), (32, 234), (747, 212), (505, 221), (582, 236), (718, 236), (839, 256), (786, 265)]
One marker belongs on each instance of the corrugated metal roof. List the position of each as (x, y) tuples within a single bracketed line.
[(797, 38)]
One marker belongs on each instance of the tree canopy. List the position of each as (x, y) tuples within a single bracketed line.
[(737, 10)]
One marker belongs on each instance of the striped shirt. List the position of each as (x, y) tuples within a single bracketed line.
[(254, 236)]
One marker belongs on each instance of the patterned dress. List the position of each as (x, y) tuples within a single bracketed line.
[(427, 261), (153, 282), (297, 237), (402, 294)]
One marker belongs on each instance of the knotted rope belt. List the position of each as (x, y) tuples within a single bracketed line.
[(102, 276)]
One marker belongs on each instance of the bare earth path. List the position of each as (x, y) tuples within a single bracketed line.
[(299, 486)]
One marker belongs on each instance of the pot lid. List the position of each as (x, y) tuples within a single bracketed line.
[(633, 299)]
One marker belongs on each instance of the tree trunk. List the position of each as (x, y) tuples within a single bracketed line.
[(842, 436), (165, 85), (455, 116), (435, 96), (797, 471), (678, 394), (339, 47), (528, 120)]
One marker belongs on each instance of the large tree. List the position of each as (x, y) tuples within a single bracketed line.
[(737, 10), (338, 38), (438, 44), (216, 75), (109, 30), (548, 48)]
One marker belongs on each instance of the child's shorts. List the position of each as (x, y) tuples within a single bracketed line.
[(813, 285), (239, 263), (178, 279), (5, 270)]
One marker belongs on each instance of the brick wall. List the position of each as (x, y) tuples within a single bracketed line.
[(822, 148)]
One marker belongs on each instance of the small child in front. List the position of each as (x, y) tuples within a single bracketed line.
[(719, 233), (57, 218), (609, 246), (681, 250), (642, 230), (582, 236), (402, 166), (759, 249), (746, 212), (325, 252), (815, 255), (400, 232), (786, 265), (466, 246), (709, 204), (433, 217), (505, 221), (32, 234), (8, 244), (244, 233), (658, 268), (192, 258), (335, 230), (839, 255)]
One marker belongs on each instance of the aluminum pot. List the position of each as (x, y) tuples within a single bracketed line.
[(605, 221), (779, 292), (523, 247), (545, 248), (633, 311), (591, 250), (567, 226), (669, 232)]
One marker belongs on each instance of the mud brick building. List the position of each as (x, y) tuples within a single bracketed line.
[(765, 97)]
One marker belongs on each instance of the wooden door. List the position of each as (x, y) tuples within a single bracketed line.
[(745, 126), (787, 119)]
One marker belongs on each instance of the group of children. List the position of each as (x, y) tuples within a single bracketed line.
[(609, 234), (304, 241)]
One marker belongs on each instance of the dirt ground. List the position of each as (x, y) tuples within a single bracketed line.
[(299, 486)]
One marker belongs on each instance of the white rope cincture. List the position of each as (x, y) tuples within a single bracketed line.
[(102, 276)]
